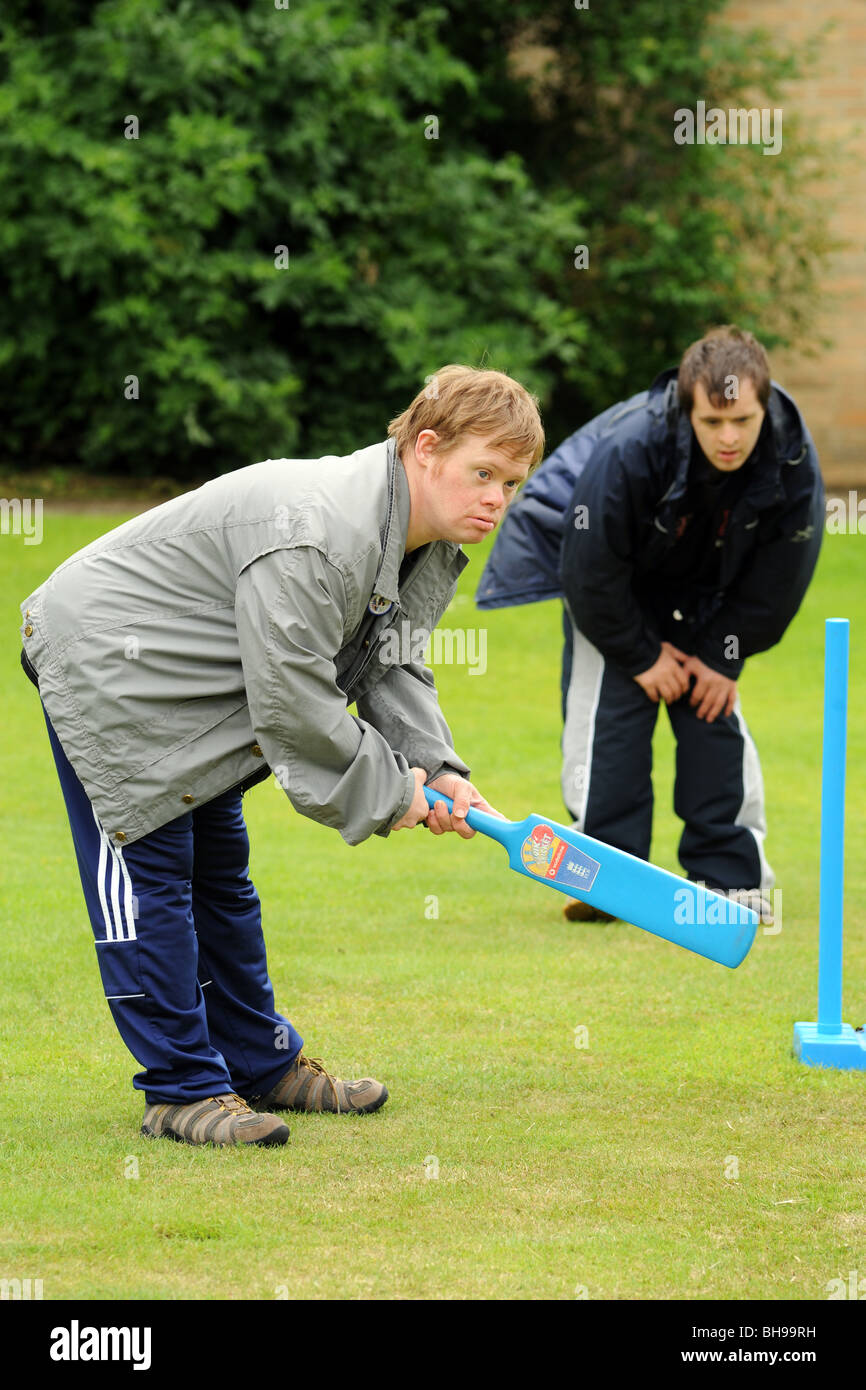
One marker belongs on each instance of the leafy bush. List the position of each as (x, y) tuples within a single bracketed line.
[(308, 128)]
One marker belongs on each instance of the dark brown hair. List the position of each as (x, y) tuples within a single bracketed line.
[(722, 353)]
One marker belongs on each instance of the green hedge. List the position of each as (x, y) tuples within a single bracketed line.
[(306, 127)]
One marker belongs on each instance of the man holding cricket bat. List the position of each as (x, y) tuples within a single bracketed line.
[(216, 640), (682, 528)]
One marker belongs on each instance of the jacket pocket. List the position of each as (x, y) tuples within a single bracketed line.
[(137, 747)]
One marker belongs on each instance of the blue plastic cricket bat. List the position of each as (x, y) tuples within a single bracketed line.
[(708, 923)]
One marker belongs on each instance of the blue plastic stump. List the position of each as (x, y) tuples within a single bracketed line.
[(830, 1042)]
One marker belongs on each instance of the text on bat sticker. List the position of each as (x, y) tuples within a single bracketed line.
[(545, 855)]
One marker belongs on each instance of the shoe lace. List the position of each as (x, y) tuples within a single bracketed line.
[(234, 1104), (314, 1064)]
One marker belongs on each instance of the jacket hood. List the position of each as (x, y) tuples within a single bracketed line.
[(790, 435), (523, 566)]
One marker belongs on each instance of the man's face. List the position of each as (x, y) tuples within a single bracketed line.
[(464, 493), (727, 434)]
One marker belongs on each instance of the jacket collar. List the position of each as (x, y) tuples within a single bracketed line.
[(396, 530), (789, 430), (781, 440)]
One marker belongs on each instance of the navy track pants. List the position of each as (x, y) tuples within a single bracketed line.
[(178, 932), (608, 723)]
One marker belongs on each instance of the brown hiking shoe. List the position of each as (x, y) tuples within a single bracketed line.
[(217, 1120), (307, 1086), (753, 898), (580, 911)]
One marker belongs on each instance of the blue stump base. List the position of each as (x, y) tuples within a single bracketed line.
[(845, 1048)]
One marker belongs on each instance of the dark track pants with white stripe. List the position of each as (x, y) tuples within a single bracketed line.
[(178, 931), (608, 723)]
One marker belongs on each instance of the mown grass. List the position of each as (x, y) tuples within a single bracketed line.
[(682, 1154)]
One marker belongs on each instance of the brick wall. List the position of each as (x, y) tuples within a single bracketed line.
[(831, 389)]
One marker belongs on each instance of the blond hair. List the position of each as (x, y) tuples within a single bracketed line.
[(472, 400)]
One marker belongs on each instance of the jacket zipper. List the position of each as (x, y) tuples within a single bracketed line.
[(356, 675)]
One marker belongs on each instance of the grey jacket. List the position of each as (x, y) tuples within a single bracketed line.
[(230, 629)]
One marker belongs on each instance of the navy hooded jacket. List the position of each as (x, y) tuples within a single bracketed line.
[(594, 522)]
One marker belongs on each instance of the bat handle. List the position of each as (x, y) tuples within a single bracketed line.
[(476, 820)]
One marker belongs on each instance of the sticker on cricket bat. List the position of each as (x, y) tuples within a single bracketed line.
[(544, 854)]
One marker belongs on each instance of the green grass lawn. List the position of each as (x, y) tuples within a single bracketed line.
[(681, 1154)]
